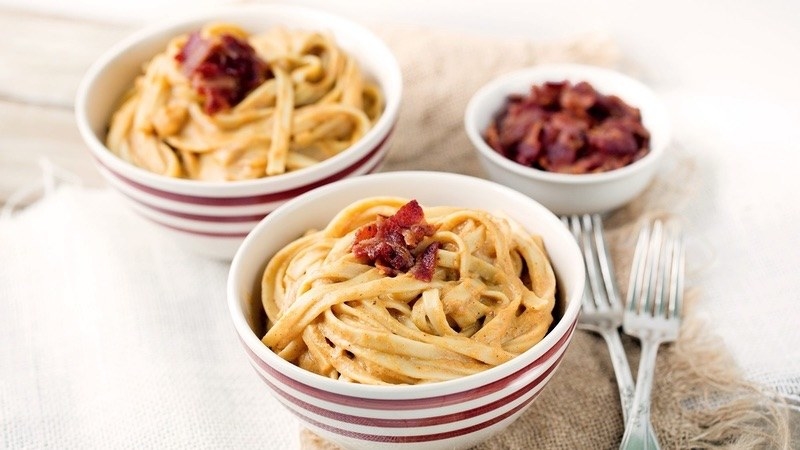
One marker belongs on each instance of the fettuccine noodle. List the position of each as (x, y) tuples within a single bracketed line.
[(490, 298), (315, 104)]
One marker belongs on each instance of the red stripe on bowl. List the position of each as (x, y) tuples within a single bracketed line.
[(412, 423), (211, 234), (198, 217), (414, 403), (420, 437), (254, 199)]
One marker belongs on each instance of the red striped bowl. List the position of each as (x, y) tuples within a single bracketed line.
[(213, 217), (454, 414)]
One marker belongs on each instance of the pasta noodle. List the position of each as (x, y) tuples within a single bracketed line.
[(490, 298), (313, 104)]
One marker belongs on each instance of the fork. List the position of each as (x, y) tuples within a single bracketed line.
[(601, 309), (653, 315)]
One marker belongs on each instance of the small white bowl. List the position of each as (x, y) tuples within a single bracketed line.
[(453, 414), (568, 193), (212, 218)]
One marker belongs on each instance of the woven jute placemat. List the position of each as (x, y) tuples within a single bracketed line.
[(699, 399)]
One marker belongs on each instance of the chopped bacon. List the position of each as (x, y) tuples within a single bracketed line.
[(222, 71), (561, 127), (426, 263), (389, 243), (613, 136)]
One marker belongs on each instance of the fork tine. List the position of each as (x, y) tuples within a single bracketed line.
[(567, 220), (638, 266), (570, 223), (677, 274), (662, 242), (654, 267), (606, 266), (591, 258)]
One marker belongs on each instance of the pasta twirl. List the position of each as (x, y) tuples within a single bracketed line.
[(489, 299), (308, 101)]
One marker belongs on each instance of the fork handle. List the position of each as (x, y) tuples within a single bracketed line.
[(621, 369), (639, 433)]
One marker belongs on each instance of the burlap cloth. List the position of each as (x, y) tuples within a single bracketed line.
[(699, 398)]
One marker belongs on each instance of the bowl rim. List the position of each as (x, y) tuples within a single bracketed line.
[(253, 343), (500, 85), (373, 139)]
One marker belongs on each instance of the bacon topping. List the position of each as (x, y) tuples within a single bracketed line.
[(390, 243), (222, 71), (561, 127)]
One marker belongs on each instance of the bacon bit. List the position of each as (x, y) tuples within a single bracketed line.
[(561, 127), (222, 71), (426, 263), (388, 243)]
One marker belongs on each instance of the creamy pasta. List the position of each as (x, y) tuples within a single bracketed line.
[(184, 118), (489, 296)]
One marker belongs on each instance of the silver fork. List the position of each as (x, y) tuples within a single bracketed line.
[(601, 310), (653, 314)]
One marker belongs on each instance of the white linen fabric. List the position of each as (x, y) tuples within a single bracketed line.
[(112, 337), (743, 217)]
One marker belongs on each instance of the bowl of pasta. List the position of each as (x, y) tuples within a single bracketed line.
[(206, 124), (579, 139), (407, 309)]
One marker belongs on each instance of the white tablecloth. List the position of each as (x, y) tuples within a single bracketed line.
[(112, 337), (745, 216)]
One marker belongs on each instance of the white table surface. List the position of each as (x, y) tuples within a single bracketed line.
[(729, 72)]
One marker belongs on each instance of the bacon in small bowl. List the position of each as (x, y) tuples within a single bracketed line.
[(576, 138)]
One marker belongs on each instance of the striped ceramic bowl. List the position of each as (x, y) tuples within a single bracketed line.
[(213, 217), (453, 414)]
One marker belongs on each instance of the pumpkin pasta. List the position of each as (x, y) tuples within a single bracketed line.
[(263, 105), (490, 298)]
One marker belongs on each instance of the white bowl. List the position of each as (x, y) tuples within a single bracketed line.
[(213, 218), (568, 193), (453, 414)]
